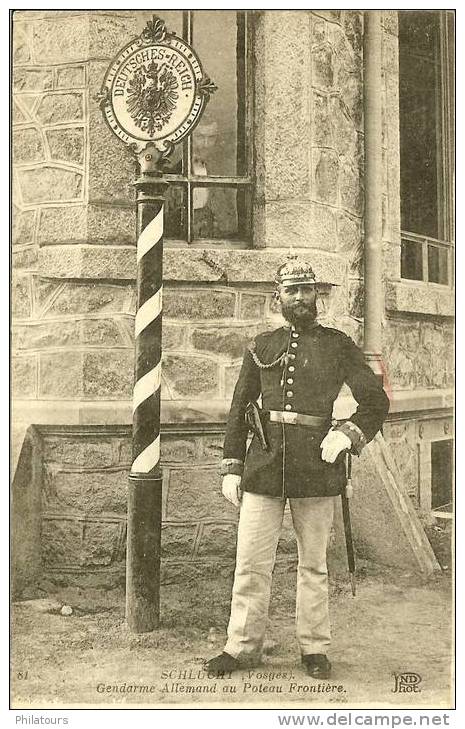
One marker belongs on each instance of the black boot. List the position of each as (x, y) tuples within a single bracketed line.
[(224, 663), (317, 665)]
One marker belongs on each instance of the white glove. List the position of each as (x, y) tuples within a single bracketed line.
[(231, 488), (334, 443)]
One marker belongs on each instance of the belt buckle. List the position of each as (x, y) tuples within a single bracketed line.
[(291, 418)]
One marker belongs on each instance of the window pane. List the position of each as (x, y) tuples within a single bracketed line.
[(411, 260), (437, 264), (220, 212), (175, 223), (441, 473), (420, 122), (219, 140)]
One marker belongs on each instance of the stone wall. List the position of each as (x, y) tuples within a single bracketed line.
[(83, 506)]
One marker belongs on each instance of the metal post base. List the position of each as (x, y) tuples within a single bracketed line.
[(143, 552)]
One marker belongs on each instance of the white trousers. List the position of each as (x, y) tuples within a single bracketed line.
[(260, 524)]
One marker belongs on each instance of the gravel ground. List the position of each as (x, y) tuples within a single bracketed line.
[(396, 624)]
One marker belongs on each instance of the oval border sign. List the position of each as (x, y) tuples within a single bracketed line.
[(154, 91)]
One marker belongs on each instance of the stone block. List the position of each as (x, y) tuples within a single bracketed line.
[(198, 304), (351, 189), (196, 494), (108, 33), (87, 492), (282, 165), (32, 79), (28, 146), (111, 225), (20, 297), (24, 377), (172, 336), (101, 544), (70, 77), (49, 184), (24, 222), (61, 40), (212, 447), (352, 97), (322, 132), (178, 450), (108, 374), (101, 332), (90, 452), (43, 290), (41, 336), (111, 163), (231, 375), (21, 48), (323, 228), (25, 258), (19, 116), (344, 131), (350, 240), (323, 67), (353, 29), (192, 377), (59, 107), (91, 298), (320, 31), (419, 299), (66, 144), (218, 539), (61, 374), (252, 306), (177, 540), (61, 542), (356, 299), (226, 341), (325, 175), (62, 225)]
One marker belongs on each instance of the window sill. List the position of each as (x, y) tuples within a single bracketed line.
[(418, 297), (193, 265)]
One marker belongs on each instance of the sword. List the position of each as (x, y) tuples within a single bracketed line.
[(345, 496)]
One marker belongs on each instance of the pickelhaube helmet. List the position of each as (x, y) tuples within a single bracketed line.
[(294, 272)]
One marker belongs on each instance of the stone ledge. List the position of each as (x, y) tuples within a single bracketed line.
[(197, 265), (180, 412), (419, 298)]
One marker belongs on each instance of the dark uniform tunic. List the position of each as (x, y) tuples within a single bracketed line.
[(300, 371)]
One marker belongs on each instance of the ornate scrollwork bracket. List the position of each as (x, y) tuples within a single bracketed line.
[(207, 87)]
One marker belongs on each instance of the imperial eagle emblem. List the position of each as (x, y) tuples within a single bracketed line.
[(151, 97)]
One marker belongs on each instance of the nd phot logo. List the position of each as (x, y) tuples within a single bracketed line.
[(406, 683)]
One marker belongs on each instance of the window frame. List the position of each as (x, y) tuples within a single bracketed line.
[(188, 181), (445, 137)]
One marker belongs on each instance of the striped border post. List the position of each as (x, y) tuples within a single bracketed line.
[(145, 479)]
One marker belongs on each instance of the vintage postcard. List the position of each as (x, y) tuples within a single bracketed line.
[(232, 294)]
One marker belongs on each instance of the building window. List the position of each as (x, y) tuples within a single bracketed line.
[(442, 475), (209, 197), (426, 106)]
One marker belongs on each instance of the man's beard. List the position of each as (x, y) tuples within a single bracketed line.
[(302, 315)]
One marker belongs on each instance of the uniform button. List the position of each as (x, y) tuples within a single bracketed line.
[(288, 407), (295, 335), (290, 381), (292, 356), (294, 344), (291, 368), (289, 393)]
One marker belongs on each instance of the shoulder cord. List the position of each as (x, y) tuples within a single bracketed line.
[(279, 361)]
